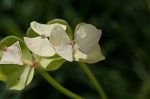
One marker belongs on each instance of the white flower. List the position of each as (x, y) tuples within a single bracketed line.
[(41, 45), (84, 47), (12, 55)]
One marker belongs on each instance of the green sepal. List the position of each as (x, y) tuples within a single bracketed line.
[(16, 77), (9, 40), (31, 33), (52, 63), (61, 21)]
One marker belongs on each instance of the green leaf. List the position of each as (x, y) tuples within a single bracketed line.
[(9, 40), (31, 33), (16, 77), (61, 21), (52, 63)]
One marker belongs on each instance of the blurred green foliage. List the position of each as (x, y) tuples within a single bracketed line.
[(124, 74)]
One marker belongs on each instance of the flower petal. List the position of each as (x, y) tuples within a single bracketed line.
[(44, 29), (94, 56), (86, 37), (61, 43), (39, 46), (12, 55)]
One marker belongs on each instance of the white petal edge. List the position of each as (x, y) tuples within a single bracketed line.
[(94, 56), (44, 29), (39, 46), (12, 55)]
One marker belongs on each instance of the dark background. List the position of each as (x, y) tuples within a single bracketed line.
[(124, 74)]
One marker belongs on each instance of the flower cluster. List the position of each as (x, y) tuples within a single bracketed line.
[(52, 44), (84, 47)]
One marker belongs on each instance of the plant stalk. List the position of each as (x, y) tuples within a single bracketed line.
[(57, 85), (94, 80)]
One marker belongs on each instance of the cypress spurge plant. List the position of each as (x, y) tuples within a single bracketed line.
[(45, 48)]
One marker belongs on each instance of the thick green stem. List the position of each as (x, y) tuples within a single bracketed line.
[(57, 85), (94, 81)]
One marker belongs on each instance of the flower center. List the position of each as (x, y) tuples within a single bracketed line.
[(34, 63), (72, 42), (43, 36)]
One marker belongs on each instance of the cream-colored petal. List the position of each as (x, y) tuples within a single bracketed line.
[(24, 79), (86, 37), (39, 46), (92, 57), (12, 55), (44, 29), (61, 43)]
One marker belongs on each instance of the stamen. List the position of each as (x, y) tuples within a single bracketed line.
[(34, 63), (72, 42), (43, 36)]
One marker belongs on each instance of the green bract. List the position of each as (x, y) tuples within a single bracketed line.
[(51, 63), (31, 33)]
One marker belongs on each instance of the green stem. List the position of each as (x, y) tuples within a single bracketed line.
[(57, 85), (145, 88), (94, 81)]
